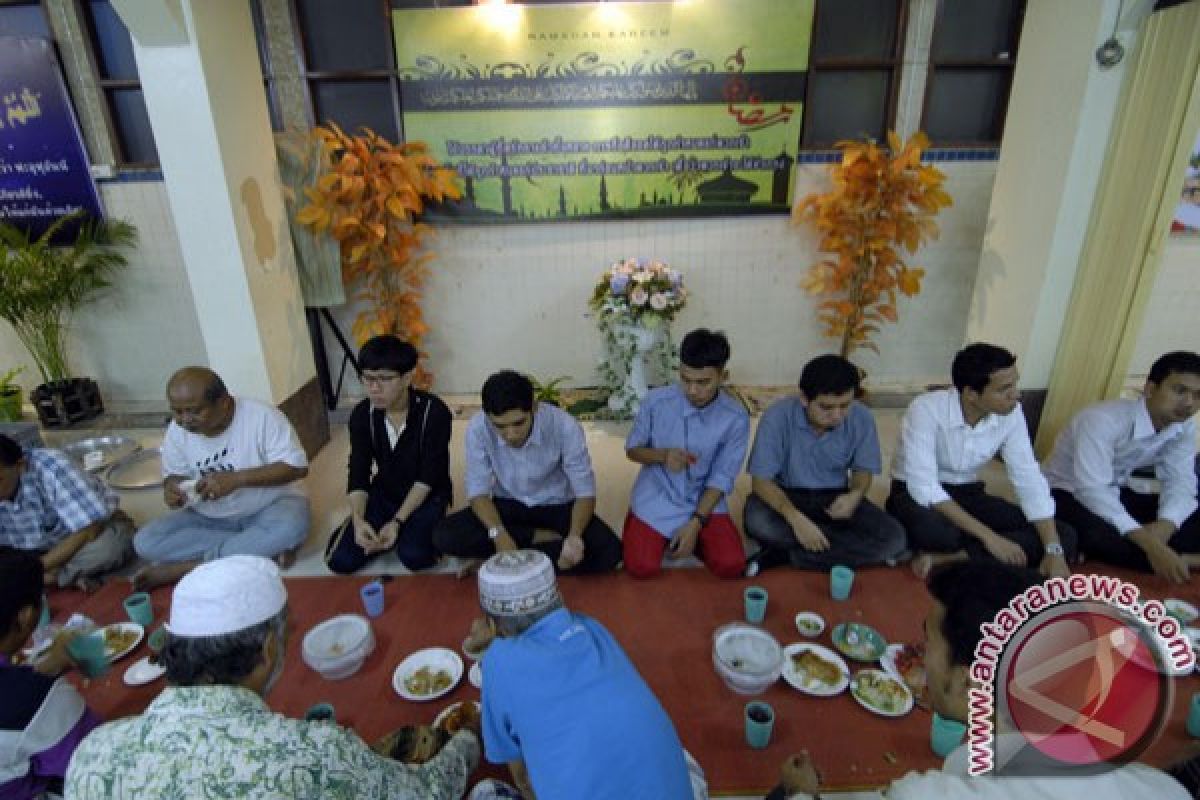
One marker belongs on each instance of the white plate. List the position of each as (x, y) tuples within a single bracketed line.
[(906, 706), (436, 658), (475, 675), (124, 627), (888, 660), (143, 672), (793, 677), (445, 712), (812, 618)]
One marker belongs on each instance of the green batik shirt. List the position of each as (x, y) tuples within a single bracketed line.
[(223, 742)]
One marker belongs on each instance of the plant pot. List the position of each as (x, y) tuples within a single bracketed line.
[(63, 403), (10, 405)]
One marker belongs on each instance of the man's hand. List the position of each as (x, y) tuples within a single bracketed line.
[(57, 659), (572, 551), (1053, 566), (683, 541), (364, 535), (1004, 551), (677, 459), (844, 505), (1160, 529), (387, 535), (216, 485), (172, 495), (807, 534), (1167, 563), (799, 774)]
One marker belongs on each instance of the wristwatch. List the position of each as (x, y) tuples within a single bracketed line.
[(494, 532), (1054, 549)]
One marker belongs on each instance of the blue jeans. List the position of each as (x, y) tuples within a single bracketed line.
[(187, 535)]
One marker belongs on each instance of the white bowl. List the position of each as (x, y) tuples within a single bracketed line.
[(746, 657), (337, 647), (434, 659), (810, 624)]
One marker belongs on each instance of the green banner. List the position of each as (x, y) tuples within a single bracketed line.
[(599, 110)]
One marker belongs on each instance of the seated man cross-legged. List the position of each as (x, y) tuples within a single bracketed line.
[(946, 437), (804, 510), (1097, 455), (690, 439), (230, 468), (66, 517), (404, 434), (530, 484)]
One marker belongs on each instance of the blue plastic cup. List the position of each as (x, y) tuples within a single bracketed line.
[(756, 603), (88, 652), (945, 735), (760, 719), (1193, 718), (372, 598), (841, 579), (138, 607), (320, 712)]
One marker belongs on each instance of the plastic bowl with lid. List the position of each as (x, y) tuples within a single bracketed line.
[(746, 657), (337, 647)]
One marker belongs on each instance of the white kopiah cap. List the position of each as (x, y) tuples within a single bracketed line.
[(226, 596), (516, 582)]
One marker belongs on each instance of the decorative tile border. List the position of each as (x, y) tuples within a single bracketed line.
[(936, 154)]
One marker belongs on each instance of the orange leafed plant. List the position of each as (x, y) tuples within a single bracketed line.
[(370, 200), (882, 204)]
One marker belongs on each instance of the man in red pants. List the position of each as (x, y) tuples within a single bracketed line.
[(690, 439)]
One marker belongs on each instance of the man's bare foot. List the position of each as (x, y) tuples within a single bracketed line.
[(154, 575), (926, 563), (286, 558), (467, 567)]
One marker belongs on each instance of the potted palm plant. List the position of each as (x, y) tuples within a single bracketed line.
[(10, 396), (41, 285)]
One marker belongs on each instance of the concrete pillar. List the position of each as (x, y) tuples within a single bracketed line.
[(204, 92), (1060, 114)]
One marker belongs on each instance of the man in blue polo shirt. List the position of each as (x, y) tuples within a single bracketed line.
[(812, 462), (562, 704), (690, 439)]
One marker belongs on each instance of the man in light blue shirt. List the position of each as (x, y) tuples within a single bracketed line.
[(529, 484), (563, 705), (690, 439), (812, 462)]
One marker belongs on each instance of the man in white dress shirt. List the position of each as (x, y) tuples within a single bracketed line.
[(945, 438), (1093, 474)]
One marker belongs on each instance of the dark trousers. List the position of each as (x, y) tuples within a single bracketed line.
[(1101, 541), (462, 534), (868, 537), (929, 531), (414, 546)]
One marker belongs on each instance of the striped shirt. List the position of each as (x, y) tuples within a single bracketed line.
[(54, 500)]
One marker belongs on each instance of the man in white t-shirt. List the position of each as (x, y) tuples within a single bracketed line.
[(230, 468)]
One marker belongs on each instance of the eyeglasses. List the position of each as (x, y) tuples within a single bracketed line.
[(380, 380)]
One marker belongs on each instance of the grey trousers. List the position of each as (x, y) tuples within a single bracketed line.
[(109, 551), (871, 536)]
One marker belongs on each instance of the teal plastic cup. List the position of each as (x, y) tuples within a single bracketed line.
[(138, 607), (756, 603), (44, 617), (760, 719), (945, 735), (841, 580), (157, 640), (320, 712), (88, 652), (1193, 718)]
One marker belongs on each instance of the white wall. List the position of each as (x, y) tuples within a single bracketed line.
[(516, 296), (1170, 320), (146, 327)]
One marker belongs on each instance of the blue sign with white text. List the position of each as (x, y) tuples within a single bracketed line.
[(44, 170)]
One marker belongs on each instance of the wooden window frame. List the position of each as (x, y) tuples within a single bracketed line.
[(894, 65), (1009, 63)]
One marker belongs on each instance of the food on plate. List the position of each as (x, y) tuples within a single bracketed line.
[(464, 715), (809, 626), (412, 744), (811, 667), (910, 663), (427, 681), (118, 640), (880, 691)]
